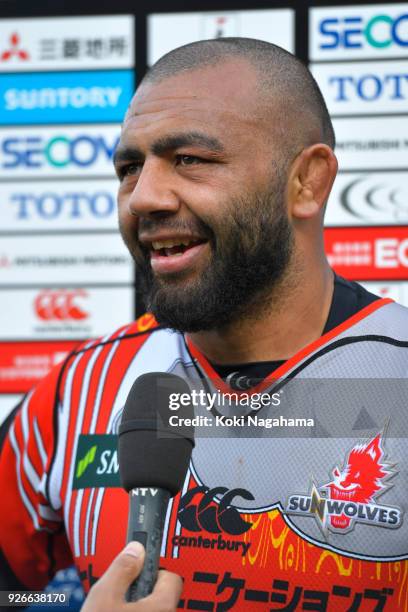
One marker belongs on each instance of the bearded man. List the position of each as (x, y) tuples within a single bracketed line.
[(225, 165)]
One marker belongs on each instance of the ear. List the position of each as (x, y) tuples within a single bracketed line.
[(374, 448), (310, 181)]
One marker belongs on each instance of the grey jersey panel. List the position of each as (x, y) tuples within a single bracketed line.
[(353, 391)]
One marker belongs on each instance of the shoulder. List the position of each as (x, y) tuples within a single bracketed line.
[(364, 313), (132, 334), (384, 318), (142, 343)]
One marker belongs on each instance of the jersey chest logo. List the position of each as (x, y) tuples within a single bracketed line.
[(350, 497)]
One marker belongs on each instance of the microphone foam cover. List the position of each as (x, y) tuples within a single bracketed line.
[(153, 453)]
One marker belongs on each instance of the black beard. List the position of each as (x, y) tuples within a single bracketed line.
[(248, 260)]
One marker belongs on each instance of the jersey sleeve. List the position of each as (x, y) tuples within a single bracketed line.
[(32, 536)]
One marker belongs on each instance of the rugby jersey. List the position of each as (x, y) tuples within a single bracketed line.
[(297, 505)]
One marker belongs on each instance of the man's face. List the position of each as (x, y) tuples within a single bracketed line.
[(202, 197)]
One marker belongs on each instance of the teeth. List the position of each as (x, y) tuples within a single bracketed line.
[(168, 252), (167, 244)]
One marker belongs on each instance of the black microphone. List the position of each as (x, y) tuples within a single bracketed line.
[(153, 461)]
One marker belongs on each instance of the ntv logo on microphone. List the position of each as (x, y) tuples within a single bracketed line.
[(96, 462), (144, 492)]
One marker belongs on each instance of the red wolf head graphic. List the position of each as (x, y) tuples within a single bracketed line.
[(360, 479)]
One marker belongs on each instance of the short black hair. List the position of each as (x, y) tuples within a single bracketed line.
[(281, 74)]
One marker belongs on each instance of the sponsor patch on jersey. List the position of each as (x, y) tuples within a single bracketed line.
[(351, 496), (212, 518), (96, 462)]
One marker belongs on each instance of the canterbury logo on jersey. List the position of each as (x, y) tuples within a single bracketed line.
[(209, 516), (198, 512)]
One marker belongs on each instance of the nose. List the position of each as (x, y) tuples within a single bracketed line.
[(154, 191)]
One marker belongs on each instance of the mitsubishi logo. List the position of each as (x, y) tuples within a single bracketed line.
[(14, 50)]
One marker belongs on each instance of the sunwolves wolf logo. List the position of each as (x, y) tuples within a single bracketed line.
[(351, 496), (361, 479)]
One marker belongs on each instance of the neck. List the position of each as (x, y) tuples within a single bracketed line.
[(294, 317)]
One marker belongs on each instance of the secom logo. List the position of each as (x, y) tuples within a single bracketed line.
[(60, 151), (355, 32)]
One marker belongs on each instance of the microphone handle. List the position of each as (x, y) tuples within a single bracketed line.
[(147, 512)]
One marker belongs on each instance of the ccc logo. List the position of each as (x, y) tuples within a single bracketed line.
[(60, 305), (210, 516)]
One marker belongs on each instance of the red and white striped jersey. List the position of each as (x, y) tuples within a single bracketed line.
[(270, 517)]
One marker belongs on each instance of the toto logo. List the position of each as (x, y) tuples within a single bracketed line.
[(211, 516), (72, 204), (60, 305), (369, 87)]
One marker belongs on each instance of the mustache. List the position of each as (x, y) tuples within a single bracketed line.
[(195, 226)]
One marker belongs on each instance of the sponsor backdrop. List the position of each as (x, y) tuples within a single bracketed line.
[(358, 55), (167, 31), (65, 275), (57, 151), (65, 82)]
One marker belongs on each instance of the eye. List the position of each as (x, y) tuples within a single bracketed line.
[(188, 160), (128, 170)]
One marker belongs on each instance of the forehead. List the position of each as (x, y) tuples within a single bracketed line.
[(220, 99)]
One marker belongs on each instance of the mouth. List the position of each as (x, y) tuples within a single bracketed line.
[(173, 255), (344, 494)]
